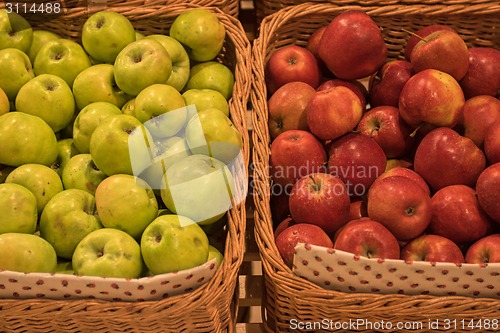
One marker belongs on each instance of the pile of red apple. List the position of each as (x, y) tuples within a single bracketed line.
[(386, 158)]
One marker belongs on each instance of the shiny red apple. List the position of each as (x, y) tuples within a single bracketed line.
[(385, 86), (357, 87), (422, 33), (484, 251), (432, 248), (480, 112), (488, 191), (483, 76)]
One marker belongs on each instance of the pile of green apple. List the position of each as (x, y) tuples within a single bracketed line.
[(116, 152)]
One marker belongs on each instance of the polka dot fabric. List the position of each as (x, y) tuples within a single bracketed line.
[(345, 272)]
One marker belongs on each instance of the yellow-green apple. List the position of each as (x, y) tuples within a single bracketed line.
[(97, 84), (139, 35), (385, 86), (333, 112), (294, 154), (444, 158), (458, 216), (40, 38), (140, 209), (300, 233), (26, 139), (41, 180), (67, 218), (482, 77), (358, 160), (129, 107), (81, 173), (62, 57), (87, 120), (173, 243), (27, 253), (15, 31), (285, 223), (201, 32), (443, 50), (406, 172), (352, 46), (162, 110), (422, 33), (205, 99), (214, 253), (180, 60), (105, 34), (291, 63), (401, 205), (487, 186), (357, 209), (199, 187), (140, 64), (432, 248), (368, 238), (385, 126), (19, 212), (320, 199), (65, 150), (287, 108), (212, 133), (431, 97), (484, 251), (211, 75), (491, 145), (4, 102), (49, 97), (18, 66), (356, 86), (64, 267), (108, 252), (479, 113)]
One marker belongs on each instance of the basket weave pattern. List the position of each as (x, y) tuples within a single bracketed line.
[(213, 306), (286, 295)]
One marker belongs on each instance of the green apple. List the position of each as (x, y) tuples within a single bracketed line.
[(67, 218), (162, 110), (105, 34), (4, 102), (26, 139), (211, 132), (173, 243), (165, 153), (27, 253), (62, 57), (82, 173), (138, 35), (180, 60), (206, 99), (48, 97), (140, 64), (64, 267), (129, 107), (15, 31), (211, 75), (108, 252), (41, 180), (213, 253), (199, 187), (126, 203), (65, 150), (40, 38), (120, 144), (18, 207), (201, 32), (16, 70), (97, 84), (87, 120)]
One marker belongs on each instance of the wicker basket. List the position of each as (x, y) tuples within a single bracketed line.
[(287, 296), (213, 306)]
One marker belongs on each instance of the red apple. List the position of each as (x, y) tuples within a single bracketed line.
[(357, 87), (357, 209), (444, 158), (294, 154), (287, 107), (291, 63), (287, 222), (385, 126), (406, 172), (480, 112), (488, 191), (484, 251), (457, 215), (483, 76), (492, 143), (300, 233), (356, 159), (431, 97), (314, 41), (432, 248), (333, 112), (443, 50), (367, 238), (352, 46), (320, 199), (422, 33), (401, 205), (385, 86)]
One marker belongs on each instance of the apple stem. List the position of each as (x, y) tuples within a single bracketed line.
[(414, 34), (412, 135)]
